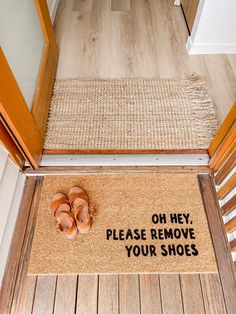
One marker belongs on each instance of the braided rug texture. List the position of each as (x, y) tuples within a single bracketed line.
[(130, 114)]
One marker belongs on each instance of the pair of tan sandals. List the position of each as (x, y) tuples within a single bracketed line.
[(72, 214)]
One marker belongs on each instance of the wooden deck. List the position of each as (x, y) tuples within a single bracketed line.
[(113, 294), (126, 294)]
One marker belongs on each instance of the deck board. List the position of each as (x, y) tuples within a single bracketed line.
[(171, 296), (44, 295), (65, 295), (26, 298), (212, 294), (87, 294), (192, 294), (108, 302), (129, 299), (150, 295)]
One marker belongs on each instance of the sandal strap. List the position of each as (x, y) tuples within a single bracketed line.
[(90, 212), (62, 208), (74, 195), (55, 204), (72, 228), (78, 196)]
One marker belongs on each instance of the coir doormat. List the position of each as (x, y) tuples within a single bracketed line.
[(145, 223)]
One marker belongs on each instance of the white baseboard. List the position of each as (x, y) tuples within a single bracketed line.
[(126, 160), (53, 10), (193, 48)]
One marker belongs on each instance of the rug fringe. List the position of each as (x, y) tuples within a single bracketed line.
[(206, 121)]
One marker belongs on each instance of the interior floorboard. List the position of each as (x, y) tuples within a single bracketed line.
[(136, 38)]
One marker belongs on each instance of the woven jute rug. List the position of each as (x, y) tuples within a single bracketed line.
[(130, 114), (144, 223)]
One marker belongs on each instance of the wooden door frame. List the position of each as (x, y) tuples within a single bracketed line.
[(7, 141), (28, 128), (224, 128), (17, 116), (224, 143), (48, 68)]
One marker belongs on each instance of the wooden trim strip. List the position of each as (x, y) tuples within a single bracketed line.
[(227, 187), (11, 147), (230, 226), (232, 245), (224, 128), (128, 151), (227, 167), (48, 67), (229, 206), (10, 276), (28, 225), (225, 149), (115, 169), (220, 242)]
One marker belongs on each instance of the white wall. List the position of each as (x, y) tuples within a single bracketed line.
[(214, 29), (11, 190)]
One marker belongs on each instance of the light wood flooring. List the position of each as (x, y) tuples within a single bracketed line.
[(136, 38), (116, 294)]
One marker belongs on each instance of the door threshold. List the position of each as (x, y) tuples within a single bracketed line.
[(67, 160), (82, 170), (123, 152)]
